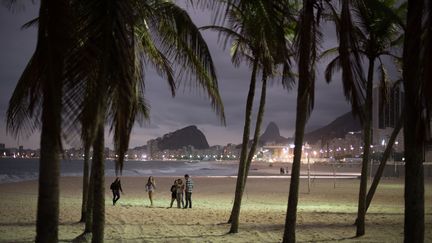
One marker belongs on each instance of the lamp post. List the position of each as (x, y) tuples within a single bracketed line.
[(394, 161)]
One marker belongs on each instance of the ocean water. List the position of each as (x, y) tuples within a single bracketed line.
[(13, 170)]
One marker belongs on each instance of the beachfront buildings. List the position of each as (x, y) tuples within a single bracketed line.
[(386, 112), (19, 152), (217, 152)]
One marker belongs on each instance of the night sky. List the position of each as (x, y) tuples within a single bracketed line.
[(189, 106)]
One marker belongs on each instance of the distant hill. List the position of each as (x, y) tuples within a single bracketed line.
[(190, 135), (272, 135), (143, 147), (336, 129)]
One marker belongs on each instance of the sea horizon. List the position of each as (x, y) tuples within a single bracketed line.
[(24, 169)]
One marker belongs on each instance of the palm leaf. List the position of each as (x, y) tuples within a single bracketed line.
[(331, 68), (177, 32)]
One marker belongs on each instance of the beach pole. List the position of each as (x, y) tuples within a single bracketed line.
[(308, 172), (334, 175), (395, 168)]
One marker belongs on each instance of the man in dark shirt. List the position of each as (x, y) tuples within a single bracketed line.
[(116, 188)]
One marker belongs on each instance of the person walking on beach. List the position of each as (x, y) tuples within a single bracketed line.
[(116, 189), (150, 187), (189, 187), (179, 192), (173, 192)]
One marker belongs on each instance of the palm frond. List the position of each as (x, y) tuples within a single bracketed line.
[(352, 71), (25, 105), (331, 68), (329, 52), (383, 85), (30, 23), (227, 33), (158, 60), (182, 43)]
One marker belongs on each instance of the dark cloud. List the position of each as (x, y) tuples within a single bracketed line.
[(190, 106)]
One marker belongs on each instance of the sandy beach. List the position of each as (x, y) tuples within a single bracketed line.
[(326, 214)]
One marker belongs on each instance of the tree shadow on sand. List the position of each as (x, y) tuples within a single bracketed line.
[(86, 237), (33, 223), (169, 238), (82, 238)]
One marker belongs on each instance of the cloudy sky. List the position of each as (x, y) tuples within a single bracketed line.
[(189, 106)]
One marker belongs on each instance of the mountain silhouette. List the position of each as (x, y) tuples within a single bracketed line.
[(187, 136), (335, 129), (272, 135)]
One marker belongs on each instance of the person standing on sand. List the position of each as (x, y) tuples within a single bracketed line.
[(189, 187), (150, 187), (116, 189), (173, 192), (179, 192)]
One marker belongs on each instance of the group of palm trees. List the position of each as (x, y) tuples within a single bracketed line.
[(88, 71)]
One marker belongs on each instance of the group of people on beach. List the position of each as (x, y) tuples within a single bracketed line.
[(178, 190)]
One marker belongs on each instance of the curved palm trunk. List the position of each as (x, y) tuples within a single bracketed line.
[(235, 212), (361, 212), (383, 162), (304, 89), (413, 130), (241, 179), (260, 116), (85, 181), (98, 171)]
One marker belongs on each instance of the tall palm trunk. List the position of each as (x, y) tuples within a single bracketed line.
[(235, 212), (414, 182), (305, 88), (98, 167), (50, 144), (242, 180), (98, 171), (49, 167), (413, 132), (361, 212), (301, 118), (383, 162), (85, 181), (414, 179)]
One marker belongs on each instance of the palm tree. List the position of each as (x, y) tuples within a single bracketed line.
[(417, 80), (129, 34), (258, 34), (307, 34), (37, 103), (377, 33)]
